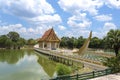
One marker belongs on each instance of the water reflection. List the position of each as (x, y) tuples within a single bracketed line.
[(10, 56), (48, 65), (25, 65)]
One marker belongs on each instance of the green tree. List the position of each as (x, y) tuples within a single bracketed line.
[(113, 40), (70, 43), (21, 42), (8, 43), (102, 43), (75, 42), (3, 39), (14, 36), (95, 42), (11, 40), (11, 56), (63, 70), (64, 41), (31, 42), (113, 63), (80, 41)]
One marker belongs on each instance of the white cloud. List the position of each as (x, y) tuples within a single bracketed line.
[(31, 30), (23, 31), (113, 3), (26, 8), (108, 26), (81, 5), (46, 19), (102, 32), (74, 32), (81, 10), (79, 20), (11, 27), (68, 33), (90, 6), (42, 16), (80, 32), (61, 27), (103, 17), (37, 12)]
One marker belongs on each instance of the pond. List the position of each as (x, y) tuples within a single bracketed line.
[(25, 65)]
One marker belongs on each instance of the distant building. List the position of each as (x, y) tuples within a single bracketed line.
[(49, 40)]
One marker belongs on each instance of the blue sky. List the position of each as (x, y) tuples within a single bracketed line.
[(31, 18)]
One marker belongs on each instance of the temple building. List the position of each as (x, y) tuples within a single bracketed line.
[(49, 40)]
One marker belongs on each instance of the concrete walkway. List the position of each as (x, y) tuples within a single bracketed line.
[(108, 77), (89, 64)]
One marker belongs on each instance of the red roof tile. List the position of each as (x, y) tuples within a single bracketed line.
[(49, 35)]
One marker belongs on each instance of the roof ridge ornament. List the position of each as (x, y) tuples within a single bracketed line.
[(85, 45)]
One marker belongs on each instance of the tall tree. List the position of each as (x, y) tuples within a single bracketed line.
[(95, 42), (31, 42), (12, 41), (3, 39), (21, 42), (63, 42), (14, 36), (8, 43), (70, 43), (80, 41), (113, 39)]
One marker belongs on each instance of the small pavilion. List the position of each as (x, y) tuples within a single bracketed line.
[(49, 40)]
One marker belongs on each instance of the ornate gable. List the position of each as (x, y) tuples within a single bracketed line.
[(49, 35)]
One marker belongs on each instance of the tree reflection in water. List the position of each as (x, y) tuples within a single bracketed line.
[(25, 64), (48, 65), (12, 56)]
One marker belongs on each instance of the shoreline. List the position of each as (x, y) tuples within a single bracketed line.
[(16, 49)]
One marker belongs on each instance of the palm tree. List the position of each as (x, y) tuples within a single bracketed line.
[(113, 39)]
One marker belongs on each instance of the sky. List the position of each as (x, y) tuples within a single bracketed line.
[(31, 18)]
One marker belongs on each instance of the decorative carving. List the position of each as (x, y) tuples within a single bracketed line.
[(85, 45)]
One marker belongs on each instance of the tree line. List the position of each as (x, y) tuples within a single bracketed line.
[(12, 40), (110, 41), (73, 42)]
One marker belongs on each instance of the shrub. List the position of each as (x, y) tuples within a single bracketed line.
[(113, 63), (63, 69)]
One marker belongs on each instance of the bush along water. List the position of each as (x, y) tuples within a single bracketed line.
[(113, 63), (63, 70)]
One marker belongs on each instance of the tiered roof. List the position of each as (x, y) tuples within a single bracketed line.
[(49, 35)]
